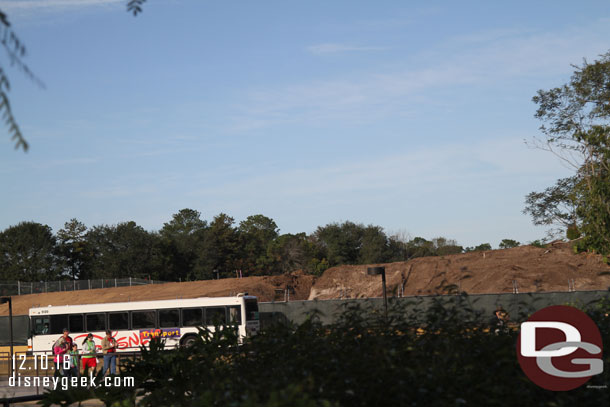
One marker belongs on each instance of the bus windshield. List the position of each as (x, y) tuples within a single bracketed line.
[(251, 310)]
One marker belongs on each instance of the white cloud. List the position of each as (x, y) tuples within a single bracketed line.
[(491, 59), (333, 48), (418, 170)]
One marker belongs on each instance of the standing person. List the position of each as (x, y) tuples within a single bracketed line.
[(109, 349), (67, 338), (74, 361), (59, 350), (89, 358), (499, 321)]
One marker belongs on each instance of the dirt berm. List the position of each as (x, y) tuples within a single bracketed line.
[(495, 271), (530, 268)]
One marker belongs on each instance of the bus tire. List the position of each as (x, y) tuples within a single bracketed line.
[(188, 340)]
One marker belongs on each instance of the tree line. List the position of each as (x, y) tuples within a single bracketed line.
[(191, 248)]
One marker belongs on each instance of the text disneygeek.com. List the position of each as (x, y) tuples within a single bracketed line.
[(66, 382)]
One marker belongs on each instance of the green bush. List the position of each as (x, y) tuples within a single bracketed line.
[(445, 356)]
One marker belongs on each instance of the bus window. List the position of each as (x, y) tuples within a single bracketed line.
[(235, 314), (143, 319), (118, 321), (96, 322), (169, 318), (76, 323), (192, 317), (215, 315), (40, 325), (58, 323), (251, 310)]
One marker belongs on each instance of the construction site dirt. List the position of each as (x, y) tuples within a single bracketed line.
[(523, 269)]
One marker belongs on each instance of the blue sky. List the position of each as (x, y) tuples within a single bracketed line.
[(406, 115)]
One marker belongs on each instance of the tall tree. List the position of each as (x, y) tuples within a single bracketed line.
[(375, 247), (72, 248), (340, 242), (256, 234), (219, 254), (182, 240), (27, 253), (576, 126), (124, 250), (291, 252)]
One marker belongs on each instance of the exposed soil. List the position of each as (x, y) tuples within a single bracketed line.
[(533, 269), (262, 287)]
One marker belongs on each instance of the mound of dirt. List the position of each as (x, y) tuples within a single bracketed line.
[(496, 271), (262, 287), (528, 268)]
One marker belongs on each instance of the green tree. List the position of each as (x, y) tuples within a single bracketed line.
[(444, 246), (340, 242), (375, 246), (220, 250), (181, 241), (480, 248), (556, 205), (576, 126), (508, 244), (27, 253), (184, 223), (72, 248), (124, 250), (256, 233), (419, 247), (294, 252)]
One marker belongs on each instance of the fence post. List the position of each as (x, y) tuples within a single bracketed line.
[(18, 287), (45, 287), (130, 281), (115, 283), (73, 285), (89, 281)]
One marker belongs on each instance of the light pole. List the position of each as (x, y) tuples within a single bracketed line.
[(373, 271), (10, 325)]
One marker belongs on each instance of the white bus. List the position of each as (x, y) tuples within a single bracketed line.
[(133, 324)]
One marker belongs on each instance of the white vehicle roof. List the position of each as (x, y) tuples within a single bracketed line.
[(139, 305)]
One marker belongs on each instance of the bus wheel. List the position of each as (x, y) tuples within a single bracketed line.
[(188, 341)]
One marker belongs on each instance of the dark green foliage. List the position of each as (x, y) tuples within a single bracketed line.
[(480, 248), (220, 250), (27, 252), (124, 250), (257, 233), (538, 243), (572, 232), (182, 240), (296, 252), (340, 242), (555, 206), (445, 356), (508, 244), (189, 248), (72, 249)]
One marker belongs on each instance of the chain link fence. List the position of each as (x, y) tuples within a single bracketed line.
[(21, 287)]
